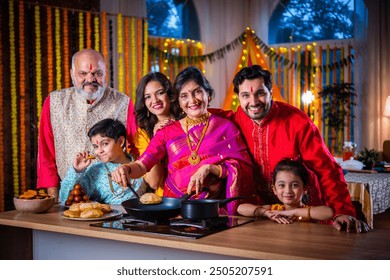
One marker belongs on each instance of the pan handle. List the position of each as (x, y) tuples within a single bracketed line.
[(186, 196), (225, 201), (133, 191)]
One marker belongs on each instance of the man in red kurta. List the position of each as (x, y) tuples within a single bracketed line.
[(275, 130), (68, 114)]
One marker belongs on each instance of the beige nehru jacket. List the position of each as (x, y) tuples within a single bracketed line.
[(71, 118)]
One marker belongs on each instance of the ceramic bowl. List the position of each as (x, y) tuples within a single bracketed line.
[(352, 164), (34, 205)]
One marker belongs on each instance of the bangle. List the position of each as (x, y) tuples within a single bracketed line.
[(128, 167), (254, 211), (220, 170), (308, 213)]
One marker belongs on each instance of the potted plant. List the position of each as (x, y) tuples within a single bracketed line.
[(338, 101), (368, 158)]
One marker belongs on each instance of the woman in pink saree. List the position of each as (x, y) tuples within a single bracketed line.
[(203, 150)]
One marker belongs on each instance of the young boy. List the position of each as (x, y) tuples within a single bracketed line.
[(108, 138)]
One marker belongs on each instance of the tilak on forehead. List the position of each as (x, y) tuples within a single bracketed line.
[(90, 67), (251, 89)]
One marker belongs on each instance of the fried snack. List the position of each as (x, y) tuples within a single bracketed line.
[(94, 213), (105, 208), (33, 194), (150, 198), (75, 207), (90, 157), (28, 194), (90, 206), (72, 214)]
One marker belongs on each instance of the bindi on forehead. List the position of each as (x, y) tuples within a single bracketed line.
[(251, 89)]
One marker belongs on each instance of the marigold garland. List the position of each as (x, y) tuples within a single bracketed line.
[(14, 109), (65, 33), (133, 59), (38, 60), (200, 50), (145, 57), (121, 82), (22, 94), (1, 129), (58, 49), (161, 60), (81, 30), (111, 52), (96, 33), (88, 29), (139, 50), (127, 56), (50, 78), (104, 40)]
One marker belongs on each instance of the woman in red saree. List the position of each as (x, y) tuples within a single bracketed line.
[(203, 150)]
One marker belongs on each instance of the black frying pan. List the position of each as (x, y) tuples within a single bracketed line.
[(160, 213), (168, 208)]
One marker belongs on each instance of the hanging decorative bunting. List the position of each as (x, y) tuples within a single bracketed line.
[(249, 56)]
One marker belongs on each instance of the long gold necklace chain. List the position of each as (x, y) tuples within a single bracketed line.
[(194, 158)]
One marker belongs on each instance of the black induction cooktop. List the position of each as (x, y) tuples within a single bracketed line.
[(176, 227)]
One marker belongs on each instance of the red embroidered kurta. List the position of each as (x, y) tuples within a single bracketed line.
[(287, 132)]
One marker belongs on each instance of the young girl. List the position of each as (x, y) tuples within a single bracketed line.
[(290, 179), (108, 138)]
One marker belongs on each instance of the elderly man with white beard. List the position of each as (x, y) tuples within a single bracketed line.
[(68, 114)]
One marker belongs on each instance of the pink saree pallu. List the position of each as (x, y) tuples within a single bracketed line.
[(222, 145)]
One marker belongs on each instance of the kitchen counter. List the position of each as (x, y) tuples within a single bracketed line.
[(50, 236)]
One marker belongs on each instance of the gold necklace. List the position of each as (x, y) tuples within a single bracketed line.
[(194, 158), (202, 119)]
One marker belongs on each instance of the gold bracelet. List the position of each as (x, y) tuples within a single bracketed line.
[(308, 213), (220, 170)]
